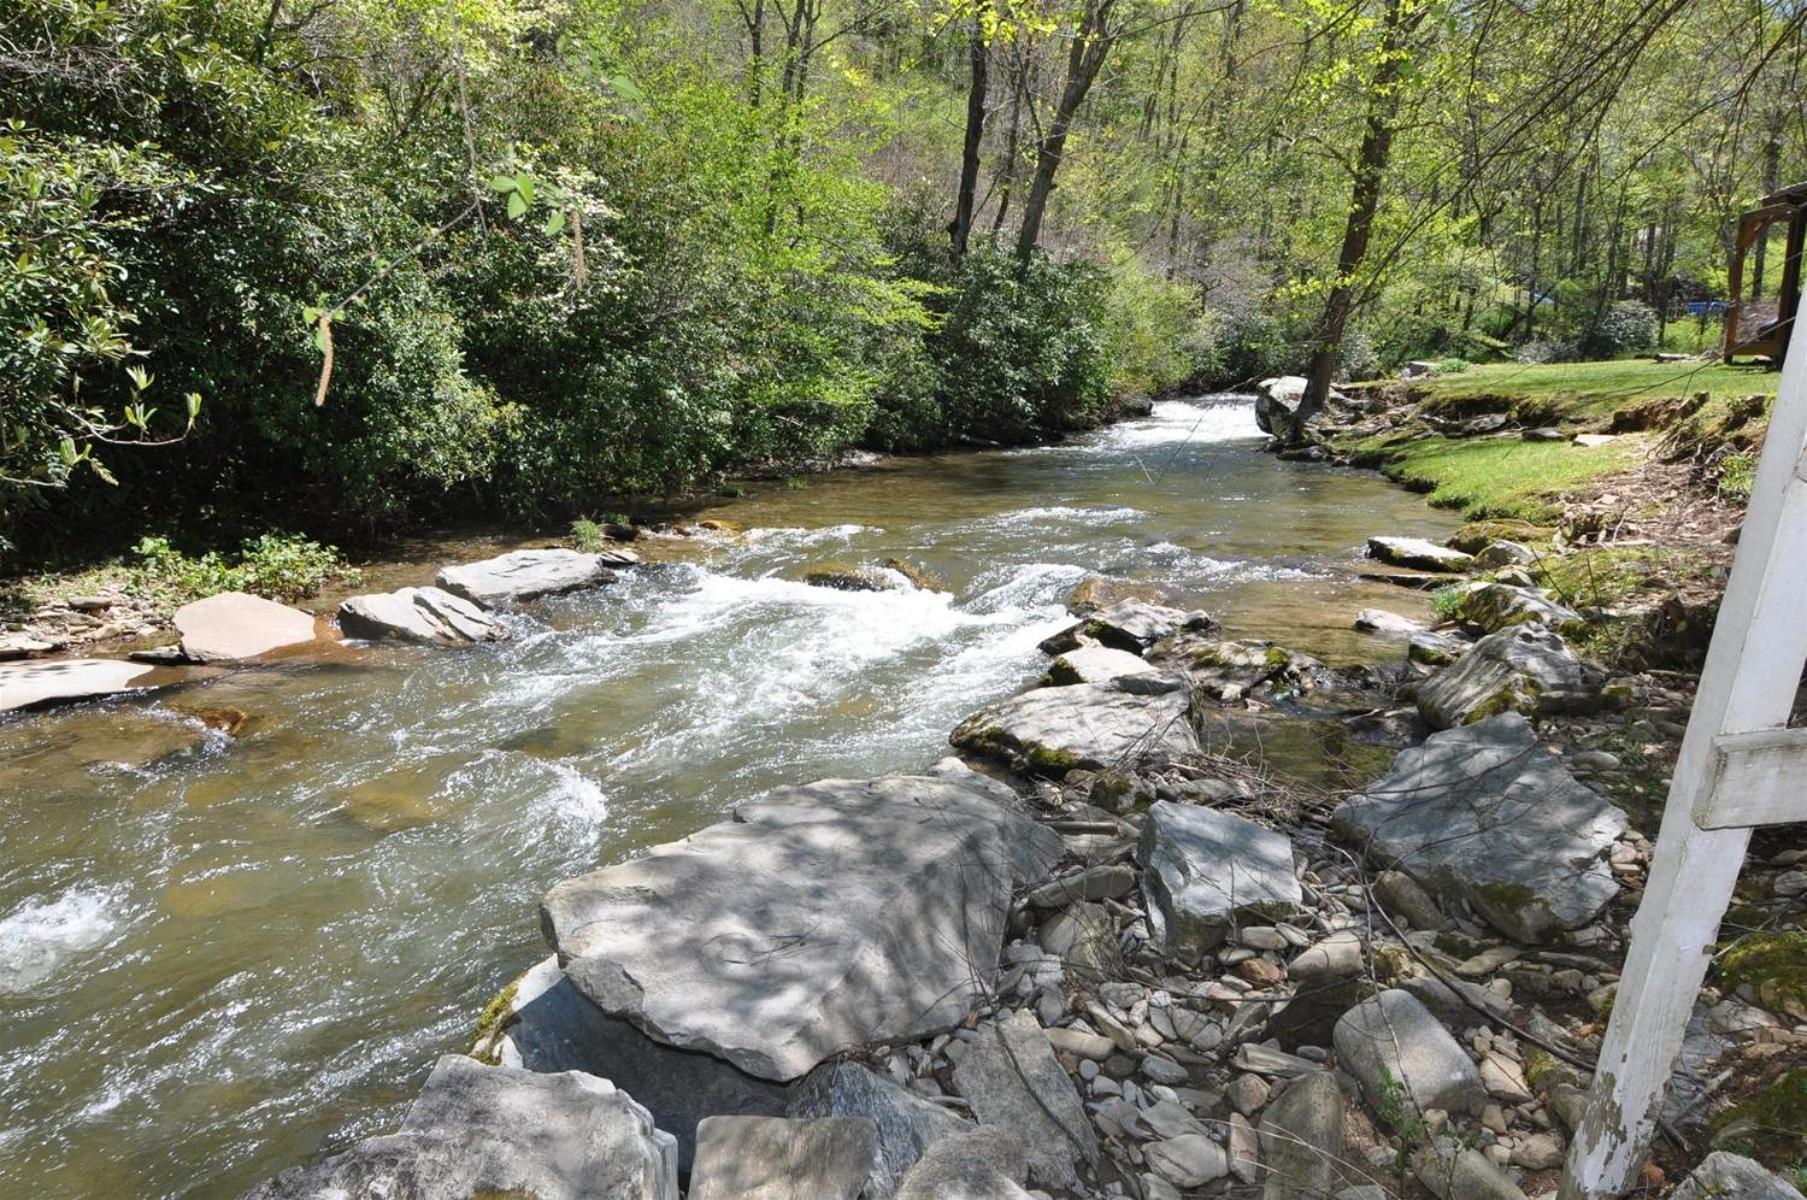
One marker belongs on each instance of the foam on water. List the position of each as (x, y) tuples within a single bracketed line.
[(1173, 422), (40, 935)]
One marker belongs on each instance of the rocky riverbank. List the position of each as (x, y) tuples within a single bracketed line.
[(1093, 958)]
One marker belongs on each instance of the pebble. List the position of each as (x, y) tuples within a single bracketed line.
[(1164, 1070)]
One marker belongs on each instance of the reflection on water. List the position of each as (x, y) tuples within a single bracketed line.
[(218, 956)]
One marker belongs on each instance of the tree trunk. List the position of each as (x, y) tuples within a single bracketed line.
[(1364, 201), (1085, 58), (961, 227)]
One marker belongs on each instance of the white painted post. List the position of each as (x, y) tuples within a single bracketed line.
[(1747, 688)]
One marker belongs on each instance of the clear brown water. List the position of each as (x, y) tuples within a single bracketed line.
[(220, 956)]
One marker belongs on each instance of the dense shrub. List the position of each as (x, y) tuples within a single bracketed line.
[(1627, 326)]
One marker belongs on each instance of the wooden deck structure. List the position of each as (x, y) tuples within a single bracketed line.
[(1755, 325)]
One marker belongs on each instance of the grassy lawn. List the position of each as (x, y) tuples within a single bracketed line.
[(1502, 477), (1588, 393)]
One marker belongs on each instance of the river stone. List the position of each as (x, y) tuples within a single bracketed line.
[(1525, 669), (1111, 881), (1096, 725), (1338, 956), (1491, 607), (1302, 1139), (1723, 1175), (1504, 553), (780, 1158), (500, 1131), (985, 1164), (1404, 1056), (548, 1025), (1452, 1171), (523, 575), (1432, 648), (235, 625), (1418, 554), (1188, 1161), (823, 917), (1387, 624), (1096, 664), (1206, 872), (426, 614), (1085, 938), (1277, 402), (1483, 813), (1134, 625), (28, 684), (907, 1125), (1012, 1079)]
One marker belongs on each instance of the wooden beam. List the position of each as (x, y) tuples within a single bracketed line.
[(1757, 779)]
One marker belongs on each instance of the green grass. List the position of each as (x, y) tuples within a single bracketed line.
[(1579, 392), (1500, 477)]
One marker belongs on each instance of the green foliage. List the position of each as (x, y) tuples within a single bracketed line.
[(1737, 473), (281, 566), (588, 536)]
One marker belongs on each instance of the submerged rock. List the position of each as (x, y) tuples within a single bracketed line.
[(29, 684), (851, 577), (1051, 730), (1206, 872), (1524, 669), (500, 1131), (1418, 554), (1483, 814), (825, 916), (780, 1158), (234, 625), (1012, 1079), (524, 575), (907, 1125), (1096, 592), (413, 614), (1403, 1056)]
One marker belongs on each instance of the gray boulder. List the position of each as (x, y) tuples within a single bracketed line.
[(1723, 1175), (1013, 1081), (500, 1131), (1382, 623), (523, 575), (234, 625), (823, 917), (778, 1158), (907, 1125), (412, 614), (1504, 553), (545, 1024), (1418, 554), (986, 1164), (1302, 1139), (51, 681), (1051, 730), (1405, 1058), (1277, 402), (1491, 607), (1096, 664), (1085, 937), (1433, 648), (1525, 669), (1482, 813), (1452, 1171), (1134, 625), (1206, 872)]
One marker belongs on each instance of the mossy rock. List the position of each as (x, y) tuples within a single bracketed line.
[(1773, 967), (486, 1044), (1473, 537), (1770, 1125), (923, 579)]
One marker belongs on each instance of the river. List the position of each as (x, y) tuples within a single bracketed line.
[(219, 956)]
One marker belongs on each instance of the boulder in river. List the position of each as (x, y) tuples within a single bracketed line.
[(1387, 624), (1483, 813), (49, 681), (524, 575), (235, 625), (1051, 730), (1096, 664), (1131, 626), (1207, 872), (1418, 554), (823, 917), (1277, 402), (852, 577), (1012, 1079), (500, 1131), (782, 1158), (1490, 607), (419, 614), (1097, 592), (1524, 669)]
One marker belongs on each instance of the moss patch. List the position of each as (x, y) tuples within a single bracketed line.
[(1771, 965), (1770, 1125)]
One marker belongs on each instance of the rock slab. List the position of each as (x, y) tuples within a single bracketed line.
[(500, 1131), (1095, 725), (431, 615), (234, 625), (779, 1158), (29, 684), (1096, 664), (1403, 1056), (1418, 554), (523, 575), (986, 1164), (1206, 872), (1524, 669), (1723, 1175), (907, 1125), (1482, 813), (825, 916), (1013, 1081), (1302, 1139)]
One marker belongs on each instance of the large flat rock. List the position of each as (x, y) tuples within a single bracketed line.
[(500, 1131), (824, 917), (29, 684), (1484, 814), (781, 1158), (1054, 729), (1418, 554), (235, 625), (1491, 607), (524, 575), (416, 614), (1206, 872)]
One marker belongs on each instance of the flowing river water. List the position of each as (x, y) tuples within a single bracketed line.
[(220, 955)]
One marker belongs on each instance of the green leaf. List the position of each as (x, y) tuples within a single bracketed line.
[(524, 185), (67, 449), (516, 205), (556, 222), (502, 183), (627, 89), (194, 406)]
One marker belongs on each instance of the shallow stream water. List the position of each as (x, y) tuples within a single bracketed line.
[(221, 955)]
